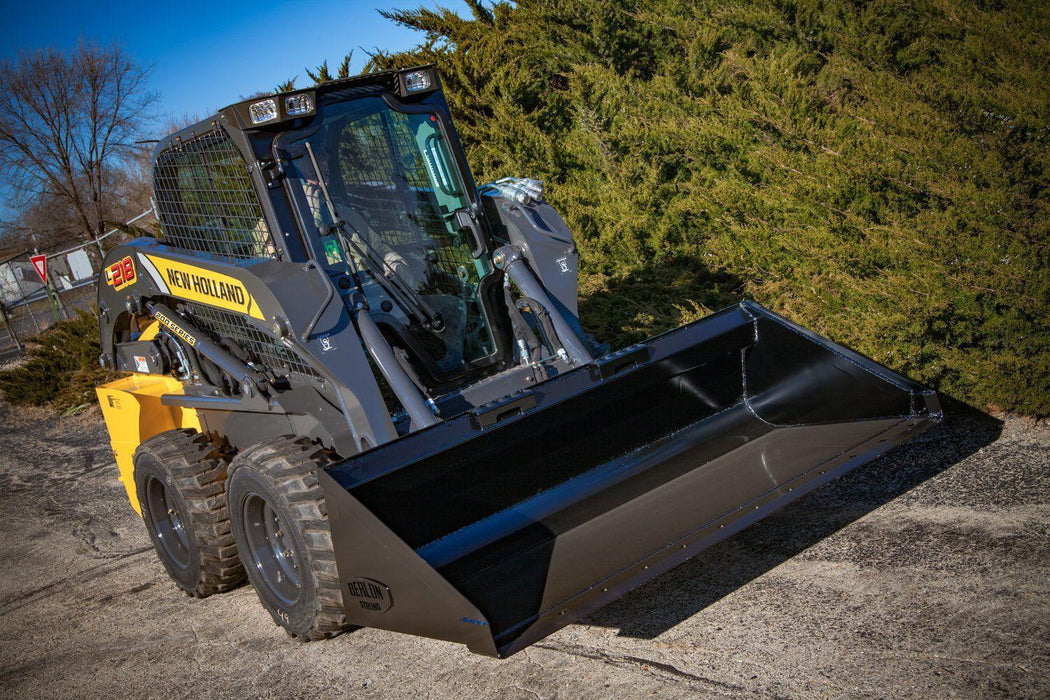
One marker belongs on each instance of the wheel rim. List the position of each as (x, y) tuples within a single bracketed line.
[(272, 552), (167, 525)]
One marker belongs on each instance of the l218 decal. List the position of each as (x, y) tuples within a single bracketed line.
[(121, 273)]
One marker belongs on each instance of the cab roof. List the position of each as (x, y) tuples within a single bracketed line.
[(236, 116)]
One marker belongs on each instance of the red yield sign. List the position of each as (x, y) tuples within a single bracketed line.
[(40, 263)]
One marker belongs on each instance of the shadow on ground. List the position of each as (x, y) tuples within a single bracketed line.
[(710, 576)]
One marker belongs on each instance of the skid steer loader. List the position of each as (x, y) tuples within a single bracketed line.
[(359, 380)]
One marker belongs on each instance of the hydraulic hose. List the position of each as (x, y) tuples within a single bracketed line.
[(509, 259), (522, 331), (544, 319), (222, 358)]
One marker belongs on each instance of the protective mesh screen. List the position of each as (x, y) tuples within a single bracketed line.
[(205, 200), (263, 348)]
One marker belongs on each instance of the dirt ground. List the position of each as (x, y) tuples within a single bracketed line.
[(925, 573)]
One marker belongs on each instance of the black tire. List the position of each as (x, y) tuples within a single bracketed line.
[(180, 480), (280, 523)]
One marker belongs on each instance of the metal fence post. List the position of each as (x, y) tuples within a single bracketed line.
[(32, 316), (52, 298), (9, 326), (26, 304), (61, 304)]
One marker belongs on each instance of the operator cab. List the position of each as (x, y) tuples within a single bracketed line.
[(383, 197)]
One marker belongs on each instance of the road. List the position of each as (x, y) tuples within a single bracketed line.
[(925, 573)]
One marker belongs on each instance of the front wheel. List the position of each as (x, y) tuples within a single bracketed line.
[(279, 520)]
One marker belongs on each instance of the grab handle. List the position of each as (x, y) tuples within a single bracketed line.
[(490, 414)]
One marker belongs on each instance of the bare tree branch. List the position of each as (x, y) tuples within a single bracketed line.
[(68, 124)]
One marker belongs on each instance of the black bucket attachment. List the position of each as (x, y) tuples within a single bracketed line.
[(502, 525)]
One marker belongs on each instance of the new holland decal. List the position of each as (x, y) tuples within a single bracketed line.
[(205, 286)]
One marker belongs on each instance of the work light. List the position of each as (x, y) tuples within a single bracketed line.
[(298, 105), (262, 112), (417, 81)]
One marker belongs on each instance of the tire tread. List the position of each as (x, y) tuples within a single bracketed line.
[(199, 473), (290, 464)]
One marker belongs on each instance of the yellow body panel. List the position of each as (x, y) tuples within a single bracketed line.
[(133, 412), (150, 332)]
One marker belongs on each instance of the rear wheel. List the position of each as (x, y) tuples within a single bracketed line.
[(180, 481), (280, 523)]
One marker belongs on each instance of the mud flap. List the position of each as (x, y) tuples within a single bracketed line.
[(498, 527)]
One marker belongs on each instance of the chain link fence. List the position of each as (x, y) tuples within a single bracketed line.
[(28, 306)]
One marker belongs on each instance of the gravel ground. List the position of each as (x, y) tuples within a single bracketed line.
[(924, 573)]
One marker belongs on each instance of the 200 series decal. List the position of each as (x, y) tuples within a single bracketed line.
[(175, 328)]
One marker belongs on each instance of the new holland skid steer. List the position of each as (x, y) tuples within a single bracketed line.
[(359, 380)]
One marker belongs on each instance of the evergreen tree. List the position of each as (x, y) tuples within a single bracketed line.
[(875, 171), (321, 74)]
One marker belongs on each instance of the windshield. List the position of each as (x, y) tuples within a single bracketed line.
[(393, 182)]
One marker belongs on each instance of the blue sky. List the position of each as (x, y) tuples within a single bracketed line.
[(206, 55)]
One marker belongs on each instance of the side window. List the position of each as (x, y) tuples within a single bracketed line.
[(206, 203)]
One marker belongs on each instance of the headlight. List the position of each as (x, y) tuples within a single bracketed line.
[(298, 105), (262, 112), (418, 81)]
